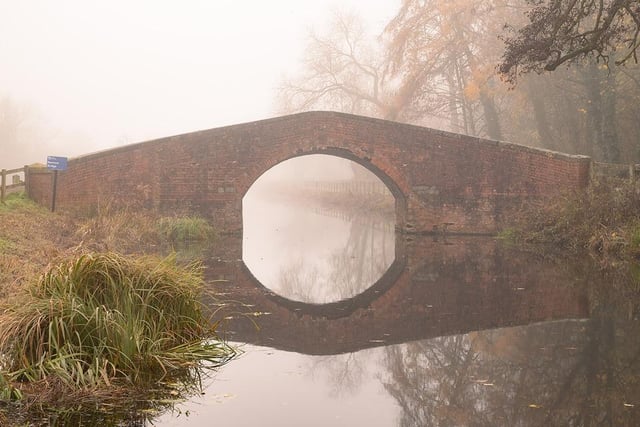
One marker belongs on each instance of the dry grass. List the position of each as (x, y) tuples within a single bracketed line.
[(45, 327), (605, 220), (30, 237)]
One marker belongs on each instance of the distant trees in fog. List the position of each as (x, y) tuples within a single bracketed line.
[(443, 63), (19, 133)]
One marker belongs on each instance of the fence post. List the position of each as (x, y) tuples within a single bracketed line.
[(26, 181), (3, 185)]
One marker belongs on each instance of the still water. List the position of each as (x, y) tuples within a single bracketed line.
[(377, 329)]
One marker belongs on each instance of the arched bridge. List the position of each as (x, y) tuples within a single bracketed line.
[(468, 184)]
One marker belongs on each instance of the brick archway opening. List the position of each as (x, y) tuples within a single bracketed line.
[(400, 199), (319, 203)]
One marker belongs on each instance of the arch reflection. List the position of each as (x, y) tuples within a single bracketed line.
[(435, 288)]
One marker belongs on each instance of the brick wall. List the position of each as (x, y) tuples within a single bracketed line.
[(437, 177)]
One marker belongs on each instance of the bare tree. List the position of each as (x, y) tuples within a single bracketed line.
[(20, 129), (565, 31), (342, 70)]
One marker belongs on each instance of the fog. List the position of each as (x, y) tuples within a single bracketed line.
[(78, 77)]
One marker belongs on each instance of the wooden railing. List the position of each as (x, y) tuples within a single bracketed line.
[(615, 170), (17, 184), (347, 187)]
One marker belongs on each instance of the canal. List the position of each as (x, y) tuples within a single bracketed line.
[(343, 322)]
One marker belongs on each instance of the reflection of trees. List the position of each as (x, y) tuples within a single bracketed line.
[(300, 281), (364, 259), (561, 373), (366, 255), (344, 372), (430, 381)]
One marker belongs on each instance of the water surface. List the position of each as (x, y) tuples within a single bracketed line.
[(435, 331)]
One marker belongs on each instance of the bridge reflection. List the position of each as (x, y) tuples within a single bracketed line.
[(433, 288)]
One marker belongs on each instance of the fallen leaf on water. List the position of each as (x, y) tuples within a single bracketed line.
[(534, 406), (629, 405), (259, 313), (221, 398)]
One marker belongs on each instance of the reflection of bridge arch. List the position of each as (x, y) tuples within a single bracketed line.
[(439, 289)]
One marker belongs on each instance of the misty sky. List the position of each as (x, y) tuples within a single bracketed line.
[(113, 72)]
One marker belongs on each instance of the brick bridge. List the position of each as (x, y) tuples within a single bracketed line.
[(433, 288), (438, 178)]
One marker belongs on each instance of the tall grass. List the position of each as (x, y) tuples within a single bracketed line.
[(126, 230), (182, 229), (604, 219), (102, 319), (122, 230), (20, 201)]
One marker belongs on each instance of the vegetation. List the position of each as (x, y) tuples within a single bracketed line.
[(604, 219), (30, 238), (561, 32), (121, 230), (98, 318), (441, 63), (98, 328), (184, 229)]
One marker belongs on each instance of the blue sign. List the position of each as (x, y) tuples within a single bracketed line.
[(56, 163)]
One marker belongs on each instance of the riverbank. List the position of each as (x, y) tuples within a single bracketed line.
[(605, 220), (67, 284)]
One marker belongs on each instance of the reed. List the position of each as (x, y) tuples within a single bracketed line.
[(184, 229), (122, 230), (101, 319)]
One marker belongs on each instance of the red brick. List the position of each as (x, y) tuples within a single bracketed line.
[(437, 177)]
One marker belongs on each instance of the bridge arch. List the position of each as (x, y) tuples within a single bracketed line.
[(439, 179), (259, 169)]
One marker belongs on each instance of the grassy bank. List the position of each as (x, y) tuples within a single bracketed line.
[(605, 220), (94, 316)]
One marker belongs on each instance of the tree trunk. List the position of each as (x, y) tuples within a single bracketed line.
[(536, 97), (601, 114), (490, 115)]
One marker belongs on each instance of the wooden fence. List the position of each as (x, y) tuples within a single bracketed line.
[(630, 172), (347, 187), (17, 183)]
